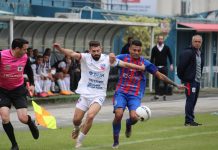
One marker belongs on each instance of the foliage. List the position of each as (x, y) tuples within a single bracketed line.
[(143, 33)]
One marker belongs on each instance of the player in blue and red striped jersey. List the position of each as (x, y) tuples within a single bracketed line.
[(130, 89)]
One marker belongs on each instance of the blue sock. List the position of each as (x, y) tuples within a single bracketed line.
[(116, 128), (129, 122), (116, 132)]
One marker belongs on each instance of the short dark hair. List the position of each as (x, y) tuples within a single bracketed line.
[(39, 56), (129, 38), (19, 42), (94, 44), (136, 43)]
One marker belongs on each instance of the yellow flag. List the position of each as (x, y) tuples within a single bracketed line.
[(43, 117)]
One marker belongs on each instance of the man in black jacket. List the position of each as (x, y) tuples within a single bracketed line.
[(159, 55), (125, 48), (189, 70)]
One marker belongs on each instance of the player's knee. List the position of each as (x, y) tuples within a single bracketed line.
[(23, 118), (76, 121), (90, 116), (5, 119), (134, 117), (118, 116)]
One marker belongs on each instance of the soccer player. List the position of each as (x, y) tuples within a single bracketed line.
[(130, 89), (13, 63), (92, 86)]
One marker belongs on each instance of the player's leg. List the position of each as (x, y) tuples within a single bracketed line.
[(117, 126), (91, 113), (9, 130), (81, 108), (133, 103), (19, 101), (119, 102), (5, 105), (77, 120), (94, 108), (26, 119)]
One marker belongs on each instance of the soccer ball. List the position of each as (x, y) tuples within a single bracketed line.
[(143, 113)]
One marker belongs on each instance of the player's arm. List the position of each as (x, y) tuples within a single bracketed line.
[(28, 70), (68, 52), (164, 78), (131, 65), (116, 62)]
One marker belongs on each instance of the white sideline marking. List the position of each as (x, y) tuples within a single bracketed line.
[(151, 139)]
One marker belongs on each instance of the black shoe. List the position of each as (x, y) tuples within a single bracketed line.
[(193, 124), (34, 130), (128, 130), (164, 98), (15, 147), (115, 146)]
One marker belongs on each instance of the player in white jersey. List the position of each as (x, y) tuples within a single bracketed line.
[(92, 86), (37, 68)]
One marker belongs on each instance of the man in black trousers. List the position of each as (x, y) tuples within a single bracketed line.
[(159, 55), (189, 70)]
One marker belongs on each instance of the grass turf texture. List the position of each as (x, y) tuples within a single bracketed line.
[(165, 133)]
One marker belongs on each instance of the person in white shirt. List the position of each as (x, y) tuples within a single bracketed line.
[(37, 68), (92, 86)]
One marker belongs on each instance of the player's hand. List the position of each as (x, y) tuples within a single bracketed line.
[(181, 87), (141, 68), (30, 89), (112, 58)]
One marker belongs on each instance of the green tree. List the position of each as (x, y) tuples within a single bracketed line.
[(143, 33)]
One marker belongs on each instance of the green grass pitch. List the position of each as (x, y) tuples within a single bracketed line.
[(163, 133)]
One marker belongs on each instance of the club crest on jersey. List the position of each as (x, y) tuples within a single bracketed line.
[(103, 66), (19, 68), (7, 67)]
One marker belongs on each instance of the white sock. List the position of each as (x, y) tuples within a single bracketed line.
[(60, 84), (64, 85), (53, 86), (81, 137), (37, 87), (48, 85), (67, 83)]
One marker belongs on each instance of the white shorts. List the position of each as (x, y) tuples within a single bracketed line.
[(84, 103)]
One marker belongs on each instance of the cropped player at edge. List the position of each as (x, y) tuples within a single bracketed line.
[(130, 89)]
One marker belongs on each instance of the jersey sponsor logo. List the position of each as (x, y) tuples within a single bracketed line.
[(101, 100), (103, 66), (94, 86), (96, 74), (128, 76), (7, 67), (12, 76)]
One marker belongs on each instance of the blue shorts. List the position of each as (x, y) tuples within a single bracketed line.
[(122, 100)]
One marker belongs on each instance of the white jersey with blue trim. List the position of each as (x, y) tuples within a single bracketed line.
[(94, 75)]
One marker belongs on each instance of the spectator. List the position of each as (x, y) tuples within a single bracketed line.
[(125, 49), (159, 55), (62, 75), (189, 70), (37, 68), (30, 55), (49, 80)]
